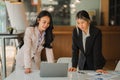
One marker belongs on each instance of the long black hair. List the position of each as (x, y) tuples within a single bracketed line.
[(83, 15), (48, 31)]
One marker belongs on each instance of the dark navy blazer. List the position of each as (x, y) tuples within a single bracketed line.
[(91, 58)]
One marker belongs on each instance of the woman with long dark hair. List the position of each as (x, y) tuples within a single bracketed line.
[(36, 37)]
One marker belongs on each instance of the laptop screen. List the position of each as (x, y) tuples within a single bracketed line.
[(53, 69)]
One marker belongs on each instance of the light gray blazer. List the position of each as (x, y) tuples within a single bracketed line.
[(29, 50)]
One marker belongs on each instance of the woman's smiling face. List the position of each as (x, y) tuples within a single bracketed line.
[(44, 23)]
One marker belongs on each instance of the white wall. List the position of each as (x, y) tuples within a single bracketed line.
[(16, 13)]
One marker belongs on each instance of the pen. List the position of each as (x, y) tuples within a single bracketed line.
[(81, 72), (98, 74)]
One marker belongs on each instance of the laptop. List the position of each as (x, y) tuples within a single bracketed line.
[(53, 69)]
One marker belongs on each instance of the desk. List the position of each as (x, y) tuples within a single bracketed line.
[(84, 75), (4, 36)]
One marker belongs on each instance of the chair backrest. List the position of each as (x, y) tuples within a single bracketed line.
[(117, 68), (65, 60)]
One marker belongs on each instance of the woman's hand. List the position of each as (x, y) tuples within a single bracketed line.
[(72, 69), (101, 71), (27, 70)]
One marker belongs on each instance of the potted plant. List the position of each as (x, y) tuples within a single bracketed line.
[(10, 29)]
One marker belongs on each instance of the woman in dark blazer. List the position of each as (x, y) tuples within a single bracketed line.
[(86, 45)]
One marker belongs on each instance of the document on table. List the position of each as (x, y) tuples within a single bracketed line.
[(109, 76)]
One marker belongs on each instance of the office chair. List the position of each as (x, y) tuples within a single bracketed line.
[(117, 68), (65, 60), (19, 44)]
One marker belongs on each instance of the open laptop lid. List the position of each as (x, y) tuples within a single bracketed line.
[(53, 69)]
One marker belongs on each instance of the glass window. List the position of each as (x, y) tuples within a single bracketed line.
[(59, 9), (64, 11), (2, 17)]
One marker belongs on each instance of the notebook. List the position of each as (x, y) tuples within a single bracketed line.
[(53, 69)]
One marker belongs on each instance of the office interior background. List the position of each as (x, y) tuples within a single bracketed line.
[(105, 14)]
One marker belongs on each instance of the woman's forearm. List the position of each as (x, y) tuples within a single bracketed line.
[(49, 55)]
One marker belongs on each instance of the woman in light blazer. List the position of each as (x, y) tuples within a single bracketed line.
[(36, 38)]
